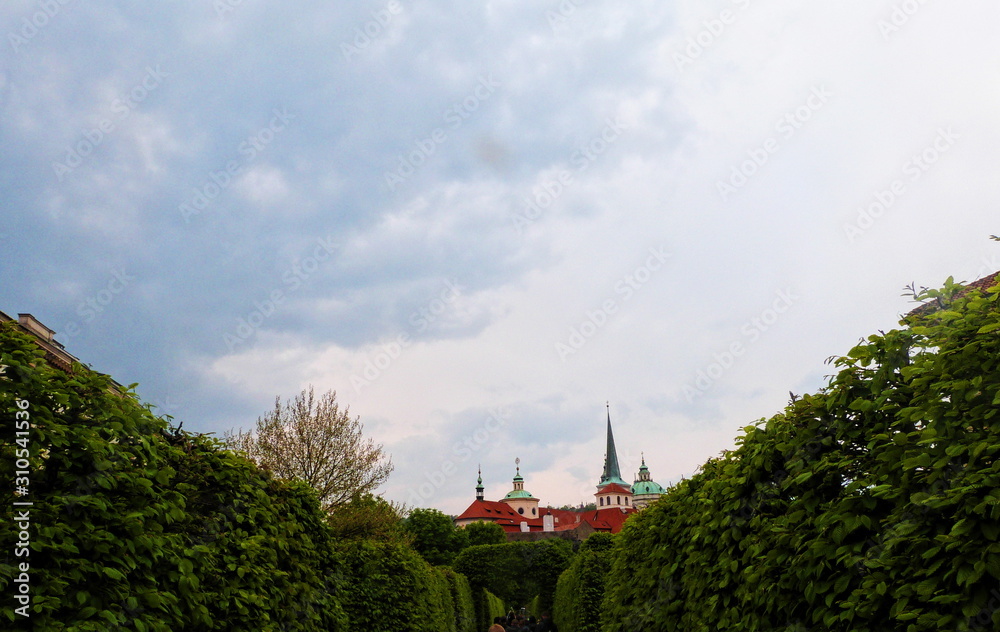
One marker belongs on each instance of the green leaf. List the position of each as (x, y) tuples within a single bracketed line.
[(989, 328), (113, 573)]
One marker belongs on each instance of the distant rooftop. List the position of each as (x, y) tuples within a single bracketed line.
[(55, 352), (979, 285)]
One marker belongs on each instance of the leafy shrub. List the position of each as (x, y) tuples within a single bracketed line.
[(871, 505), (461, 595), (580, 591), (490, 607), (434, 535), (138, 527), (516, 571), (482, 532)]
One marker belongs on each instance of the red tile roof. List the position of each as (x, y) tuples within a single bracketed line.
[(980, 285), (608, 519), (492, 510), (561, 516), (614, 488)]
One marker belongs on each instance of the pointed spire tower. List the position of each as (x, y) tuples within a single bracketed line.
[(612, 473), (479, 487)]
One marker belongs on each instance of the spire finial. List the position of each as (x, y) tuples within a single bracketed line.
[(479, 481), (517, 462)]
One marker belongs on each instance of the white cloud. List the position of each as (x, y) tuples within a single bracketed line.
[(529, 287), (265, 187)]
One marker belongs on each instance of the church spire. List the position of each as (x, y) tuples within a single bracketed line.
[(479, 487), (612, 473)]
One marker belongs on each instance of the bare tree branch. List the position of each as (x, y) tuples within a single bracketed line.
[(311, 439)]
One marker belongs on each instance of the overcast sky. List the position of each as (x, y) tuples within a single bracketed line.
[(479, 222)]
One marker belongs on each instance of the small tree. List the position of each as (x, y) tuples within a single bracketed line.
[(311, 439), (435, 536), (368, 517), (485, 533)]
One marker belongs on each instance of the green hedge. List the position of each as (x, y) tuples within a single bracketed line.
[(136, 526), (461, 595), (535, 607), (873, 505), (580, 591), (489, 607), (516, 571)]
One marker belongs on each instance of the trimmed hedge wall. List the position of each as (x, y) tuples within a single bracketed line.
[(139, 527), (580, 591), (515, 571), (491, 607), (873, 505), (392, 588), (461, 595)]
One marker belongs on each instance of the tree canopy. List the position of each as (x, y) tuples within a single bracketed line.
[(435, 536), (482, 532), (313, 440), (872, 505)]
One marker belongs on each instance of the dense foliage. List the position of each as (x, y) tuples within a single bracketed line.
[(872, 505), (393, 588), (461, 596), (580, 591), (483, 532), (138, 526), (487, 606), (516, 571), (435, 536), (367, 517)]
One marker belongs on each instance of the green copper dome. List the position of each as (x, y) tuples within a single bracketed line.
[(647, 487), (645, 484), (518, 493)]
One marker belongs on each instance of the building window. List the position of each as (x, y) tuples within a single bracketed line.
[(534, 512), (602, 501), (520, 510), (626, 501), (619, 500)]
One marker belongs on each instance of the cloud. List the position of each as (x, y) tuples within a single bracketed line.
[(299, 192)]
